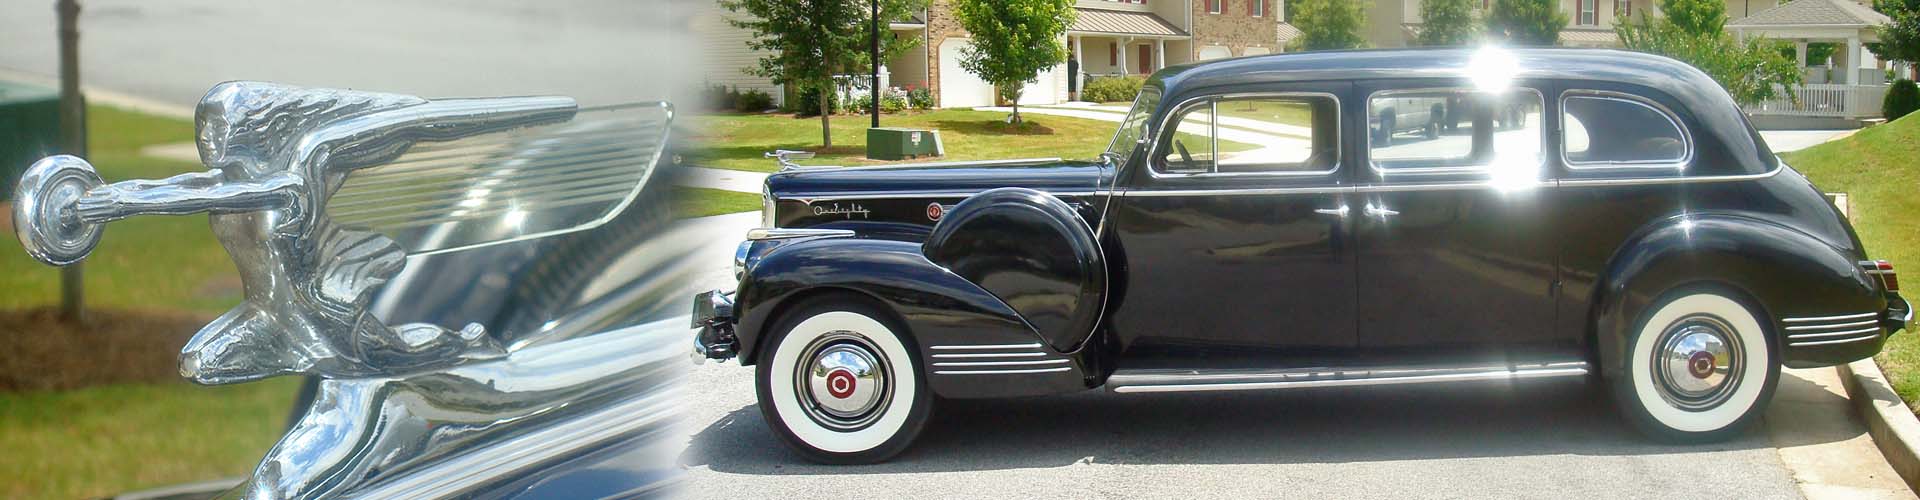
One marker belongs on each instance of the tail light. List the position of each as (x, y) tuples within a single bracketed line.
[(1883, 271)]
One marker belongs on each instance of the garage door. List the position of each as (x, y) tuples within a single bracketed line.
[(959, 88), (1254, 51), (1046, 90), (1215, 52)]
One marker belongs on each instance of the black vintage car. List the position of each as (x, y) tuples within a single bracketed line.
[(1599, 214)]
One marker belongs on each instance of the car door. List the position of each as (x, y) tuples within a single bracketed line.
[(1235, 231), (1453, 248)]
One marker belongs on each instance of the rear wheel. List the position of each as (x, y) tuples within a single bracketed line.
[(840, 383), (1698, 369)]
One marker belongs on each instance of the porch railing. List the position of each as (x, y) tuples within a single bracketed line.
[(1824, 100)]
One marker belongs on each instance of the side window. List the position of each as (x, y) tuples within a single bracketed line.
[(1609, 130), (1454, 129), (1279, 134)]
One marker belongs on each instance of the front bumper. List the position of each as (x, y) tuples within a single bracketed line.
[(713, 316)]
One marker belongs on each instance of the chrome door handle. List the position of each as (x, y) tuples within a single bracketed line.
[(1342, 211), (1373, 211)]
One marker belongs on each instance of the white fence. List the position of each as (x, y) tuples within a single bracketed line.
[(1824, 100)]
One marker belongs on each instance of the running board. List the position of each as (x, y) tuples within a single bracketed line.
[(1172, 380)]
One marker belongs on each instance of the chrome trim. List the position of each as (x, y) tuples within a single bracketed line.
[(1686, 134), (1835, 334), (994, 355), (1000, 372), (965, 163), (1838, 341), (1385, 173), (1638, 181), (1153, 150), (1836, 325), (871, 195), (1829, 318), (1329, 377), (1002, 363), (760, 234), (1035, 345)]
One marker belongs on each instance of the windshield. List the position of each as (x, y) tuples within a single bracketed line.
[(1135, 126)]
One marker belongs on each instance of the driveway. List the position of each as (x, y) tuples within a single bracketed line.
[(1546, 438)]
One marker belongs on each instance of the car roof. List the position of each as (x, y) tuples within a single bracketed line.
[(1696, 95)]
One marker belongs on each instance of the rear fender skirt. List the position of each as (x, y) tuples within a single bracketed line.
[(945, 314), (1034, 252), (1787, 272)]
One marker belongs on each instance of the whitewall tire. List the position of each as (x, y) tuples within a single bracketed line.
[(840, 382), (1699, 367)]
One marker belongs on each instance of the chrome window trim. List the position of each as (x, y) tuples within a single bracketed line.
[(1153, 150), (1686, 134), (1385, 173), (1389, 188), (1632, 181), (760, 234)]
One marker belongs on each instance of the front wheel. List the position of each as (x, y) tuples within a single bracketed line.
[(1699, 368), (840, 383)]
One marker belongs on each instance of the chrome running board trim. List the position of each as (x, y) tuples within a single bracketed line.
[(1804, 336), (1002, 363), (1874, 336), (994, 355), (1830, 318), (1143, 381), (1833, 326), (991, 346), (999, 372)]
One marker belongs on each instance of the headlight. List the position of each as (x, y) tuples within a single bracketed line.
[(740, 259)]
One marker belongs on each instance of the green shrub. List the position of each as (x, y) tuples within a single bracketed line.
[(752, 101), (920, 98), (1112, 89), (717, 97), (1902, 97), (807, 102)]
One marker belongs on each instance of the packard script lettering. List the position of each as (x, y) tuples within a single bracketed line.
[(836, 209)]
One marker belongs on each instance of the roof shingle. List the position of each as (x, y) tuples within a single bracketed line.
[(1814, 12), (1122, 22)]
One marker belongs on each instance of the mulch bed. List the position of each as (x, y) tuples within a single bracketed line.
[(39, 351)]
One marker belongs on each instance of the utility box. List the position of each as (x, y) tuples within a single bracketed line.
[(29, 130), (890, 143)]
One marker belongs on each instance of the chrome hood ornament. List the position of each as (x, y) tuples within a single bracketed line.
[(319, 196)]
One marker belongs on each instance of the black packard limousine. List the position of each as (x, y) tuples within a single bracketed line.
[(1262, 223)]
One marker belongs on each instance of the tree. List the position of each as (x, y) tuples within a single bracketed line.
[(808, 41), (1013, 41), (1446, 23), (1328, 24), (1693, 31), (1899, 41), (1526, 22)]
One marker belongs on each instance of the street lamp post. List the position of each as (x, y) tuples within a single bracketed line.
[(73, 135)]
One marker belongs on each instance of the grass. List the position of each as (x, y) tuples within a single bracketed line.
[(1876, 169), (103, 440), (690, 202), (737, 141)]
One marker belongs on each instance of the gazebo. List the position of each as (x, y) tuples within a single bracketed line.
[(1844, 22)]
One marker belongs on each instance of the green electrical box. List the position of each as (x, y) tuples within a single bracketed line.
[(889, 143), (29, 130)]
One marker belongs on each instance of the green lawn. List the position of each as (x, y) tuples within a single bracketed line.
[(1877, 169), (690, 202), (737, 141)]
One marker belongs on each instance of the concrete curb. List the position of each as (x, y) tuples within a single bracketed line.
[(1894, 428)]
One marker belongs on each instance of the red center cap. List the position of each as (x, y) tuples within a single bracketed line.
[(1700, 364), (840, 383), (934, 211)]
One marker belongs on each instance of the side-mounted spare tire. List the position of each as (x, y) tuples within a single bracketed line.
[(1034, 252)]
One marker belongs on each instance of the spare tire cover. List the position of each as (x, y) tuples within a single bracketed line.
[(1034, 252)]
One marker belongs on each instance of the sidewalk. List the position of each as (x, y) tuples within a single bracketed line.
[(1821, 440)]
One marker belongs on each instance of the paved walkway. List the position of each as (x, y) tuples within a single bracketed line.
[(1823, 443)]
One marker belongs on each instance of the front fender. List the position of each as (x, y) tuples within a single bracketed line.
[(938, 307), (1780, 271)]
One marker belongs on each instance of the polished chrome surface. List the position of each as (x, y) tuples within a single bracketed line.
[(786, 157), (1341, 212), (1697, 362), (843, 381), (995, 359), (984, 347), (434, 410), (1809, 331), (781, 234), (1811, 319), (740, 258), (510, 185), (1131, 381), (43, 215)]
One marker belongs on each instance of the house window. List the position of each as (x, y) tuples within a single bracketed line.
[(1113, 54), (1623, 8), (1587, 15), (1213, 6), (1257, 8)]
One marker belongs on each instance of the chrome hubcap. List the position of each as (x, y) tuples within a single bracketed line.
[(844, 381), (1698, 363)]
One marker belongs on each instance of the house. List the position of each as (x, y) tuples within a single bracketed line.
[(1107, 38)]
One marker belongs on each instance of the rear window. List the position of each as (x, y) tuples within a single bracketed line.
[(1454, 129), (1606, 130)]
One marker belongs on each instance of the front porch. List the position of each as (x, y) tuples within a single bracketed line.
[(1106, 44), (1843, 88)]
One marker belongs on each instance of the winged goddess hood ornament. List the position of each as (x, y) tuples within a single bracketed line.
[(392, 397)]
